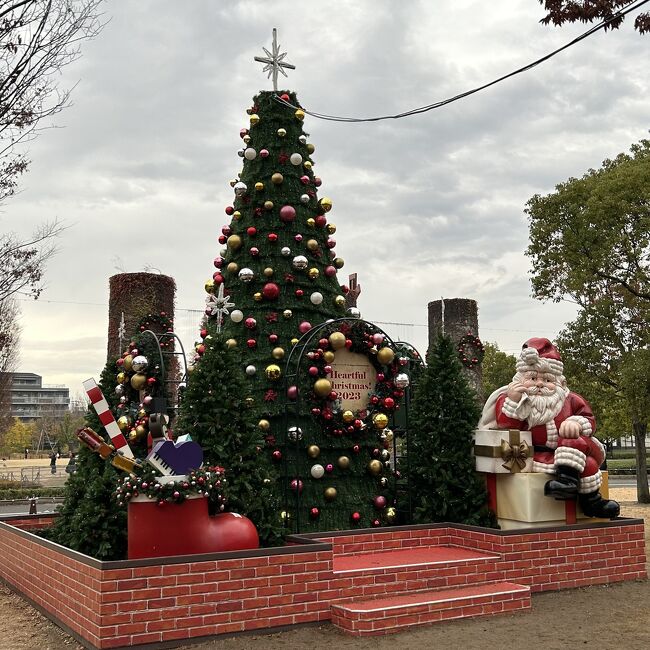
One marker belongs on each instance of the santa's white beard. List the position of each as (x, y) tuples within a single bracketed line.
[(542, 405)]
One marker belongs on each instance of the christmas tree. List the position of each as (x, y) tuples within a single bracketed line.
[(90, 520), (443, 416), (276, 298), (214, 411)]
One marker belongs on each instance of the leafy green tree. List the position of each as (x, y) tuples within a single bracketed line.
[(215, 413), (18, 437), (444, 412), (498, 368)]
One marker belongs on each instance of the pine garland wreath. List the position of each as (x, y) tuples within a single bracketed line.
[(208, 483), (471, 350)]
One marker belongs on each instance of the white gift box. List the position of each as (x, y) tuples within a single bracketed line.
[(503, 451)]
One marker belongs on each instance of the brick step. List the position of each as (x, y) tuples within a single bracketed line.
[(390, 614), (411, 558)]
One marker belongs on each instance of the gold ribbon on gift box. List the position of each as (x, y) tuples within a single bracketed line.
[(513, 451)]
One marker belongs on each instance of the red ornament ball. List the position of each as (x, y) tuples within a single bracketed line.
[(313, 371), (317, 181), (271, 291), (277, 455), (251, 231), (314, 513), (356, 517), (287, 213), (330, 271), (272, 237), (204, 333), (251, 343), (321, 221), (254, 251), (217, 277), (229, 210), (356, 449), (296, 484), (380, 502), (304, 180), (222, 239), (273, 338), (292, 392), (284, 97), (389, 402), (299, 293), (250, 323), (151, 381), (304, 327), (376, 523), (218, 262)]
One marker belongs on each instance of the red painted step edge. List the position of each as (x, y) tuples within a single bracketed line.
[(433, 597), (398, 613), (408, 558)]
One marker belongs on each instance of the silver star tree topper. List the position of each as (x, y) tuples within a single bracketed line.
[(274, 61)]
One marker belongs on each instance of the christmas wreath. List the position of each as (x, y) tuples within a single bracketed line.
[(383, 397), (201, 482), (470, 350)]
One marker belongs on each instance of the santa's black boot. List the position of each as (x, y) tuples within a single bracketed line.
[(565, 484), (593, 505)]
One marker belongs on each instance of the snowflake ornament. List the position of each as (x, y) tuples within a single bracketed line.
[(218, 306)]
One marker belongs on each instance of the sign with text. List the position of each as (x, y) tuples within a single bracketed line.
[(353, 378)]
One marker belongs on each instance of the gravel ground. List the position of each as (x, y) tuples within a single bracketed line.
[(613, 616)]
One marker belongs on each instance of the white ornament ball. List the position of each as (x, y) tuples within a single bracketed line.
[(240, 188), (299, 262), (250, 153), (237, 316), (316, 298), (295, 159), (317, 471), (251, 370), (402, 380), (302, 139), (246, 275), (286, 251), (353, 312), (294, 434), (304, 198)]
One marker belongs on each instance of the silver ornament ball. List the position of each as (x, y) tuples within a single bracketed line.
[(299, 262), (246, 275)]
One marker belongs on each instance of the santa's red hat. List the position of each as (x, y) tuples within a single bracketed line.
[(541, 355)]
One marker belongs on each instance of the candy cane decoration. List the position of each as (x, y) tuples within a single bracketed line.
[(100, 405)]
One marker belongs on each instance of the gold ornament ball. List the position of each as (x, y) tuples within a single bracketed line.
[(139, 381), (328, 356), (348, 416), (234, 182), (343, 462), (277, 353), (282, 132), (300, 114), (268, 205), (311, 222), (231, 343), (268, 272), (326, 203), (322, 387), (390, 514), (121, 377), (273, 372), (284, 515), (246, 139), (313, 451), (259, 186), (338, 262), (375, 467), (133, 435), (232, 267), (389, 435), (264, 425), (249, 401), (209, 288), (312, 244), (330, 228), (257, 297), (142, 413), (294, 341), (236, 215), (385, 356), (287, 313), (234, 242), (310, 148), (337, 340), (128, 363), (339, 301), (307, 164), (254, 119), (140, 431), (313, 273), (277, 178), (380, 420), (123, 422), (330, 494)]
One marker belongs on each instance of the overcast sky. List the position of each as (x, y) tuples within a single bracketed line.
[(426, 207)]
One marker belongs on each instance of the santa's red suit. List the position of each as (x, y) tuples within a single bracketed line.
[(585, 454)]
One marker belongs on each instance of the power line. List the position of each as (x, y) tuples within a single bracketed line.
[(423, 109)]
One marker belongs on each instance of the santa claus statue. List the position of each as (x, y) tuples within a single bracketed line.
[(562, 427)]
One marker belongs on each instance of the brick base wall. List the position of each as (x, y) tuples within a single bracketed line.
[(132, 602)]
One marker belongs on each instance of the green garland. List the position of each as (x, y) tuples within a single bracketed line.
[(471, 350), (201, 482)]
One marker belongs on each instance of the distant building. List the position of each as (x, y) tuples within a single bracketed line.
[(31, 400)]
